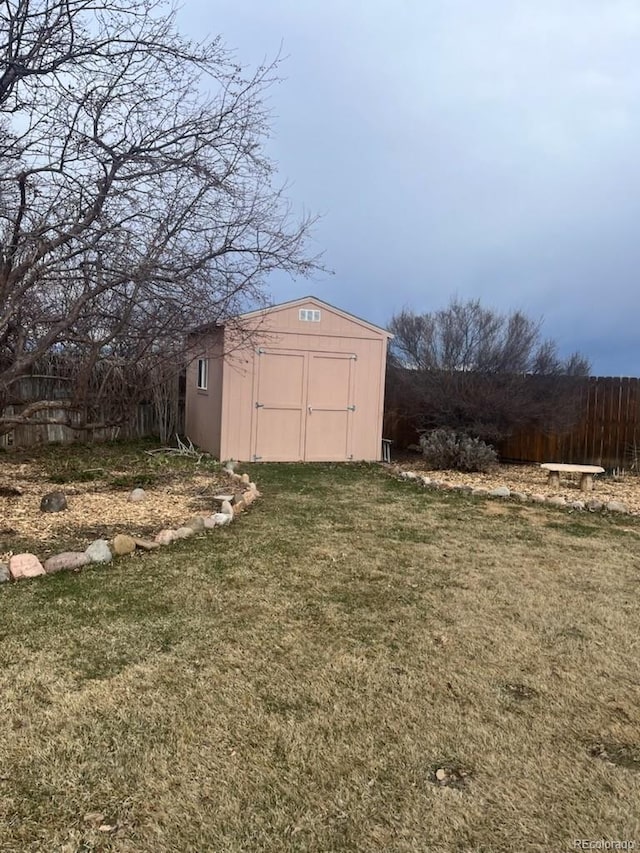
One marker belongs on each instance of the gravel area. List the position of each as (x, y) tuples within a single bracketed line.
[(532, 479)]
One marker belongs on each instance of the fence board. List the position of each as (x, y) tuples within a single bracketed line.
[(607, 433), (138, 421)]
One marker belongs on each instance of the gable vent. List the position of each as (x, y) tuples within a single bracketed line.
[(309, 315)]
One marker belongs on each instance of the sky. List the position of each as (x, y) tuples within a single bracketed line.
[(460, 148)]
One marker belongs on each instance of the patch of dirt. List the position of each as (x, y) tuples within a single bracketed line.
[(448, 775), (571, 632), (620, 754), (9, 492), (97, 510), (519, 692), (532, 479)]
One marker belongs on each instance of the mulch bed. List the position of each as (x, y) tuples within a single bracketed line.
[(98, 510)]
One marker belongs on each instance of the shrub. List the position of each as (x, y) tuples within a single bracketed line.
[(444, 448)]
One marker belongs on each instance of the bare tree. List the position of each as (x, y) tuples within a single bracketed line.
[(136, 198), (477, 371)]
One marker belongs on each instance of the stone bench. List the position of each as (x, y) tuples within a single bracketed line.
[(586, 472)]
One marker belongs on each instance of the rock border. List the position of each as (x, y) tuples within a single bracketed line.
[(101, 551), (504, 493)]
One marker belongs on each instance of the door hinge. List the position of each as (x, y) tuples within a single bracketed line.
[(256, 458), (259, 405), (354, 356)]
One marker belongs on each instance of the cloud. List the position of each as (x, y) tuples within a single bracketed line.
[(485, 149)]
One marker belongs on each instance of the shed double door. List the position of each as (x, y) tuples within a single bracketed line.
[(303, 404)]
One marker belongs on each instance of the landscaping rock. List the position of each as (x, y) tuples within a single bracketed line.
[(410, 475), (479, 492), (5, 575), (556, 500), (248, 498), (237, 498), (25, 566), (500, 492), (594, 505), (617, 506), (146, 544), (53, 502), (185, 533), (579, 505), (223, 498), (229, 466), (210, 522), (426, 481), (236, 478), (123, 544), (520, 496), (99, 552), (222, 518), (538, 499), (137, 495), (166, 536), (66, 560), (196, 523), (254, 489), (245, 479), (226, 508)]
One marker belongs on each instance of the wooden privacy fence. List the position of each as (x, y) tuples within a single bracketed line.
[(141, 422), (606, 433), (161, 411)]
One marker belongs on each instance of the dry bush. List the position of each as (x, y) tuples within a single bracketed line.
[(445, 449)]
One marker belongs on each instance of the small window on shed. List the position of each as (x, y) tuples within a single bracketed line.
[(203, 373), (309, 315)]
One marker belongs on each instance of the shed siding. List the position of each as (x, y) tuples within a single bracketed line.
[(203, 409), (296, 361), (239, 394), (287, 320)]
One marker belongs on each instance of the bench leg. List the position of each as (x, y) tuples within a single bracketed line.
[(554, 479), (586, 482)]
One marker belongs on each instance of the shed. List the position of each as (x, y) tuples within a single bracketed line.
[(298, 381)]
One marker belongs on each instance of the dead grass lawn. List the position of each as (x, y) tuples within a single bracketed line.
[(294, 682)]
